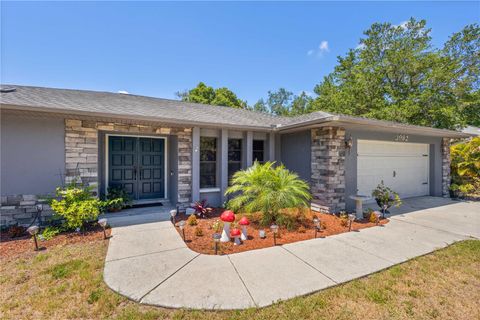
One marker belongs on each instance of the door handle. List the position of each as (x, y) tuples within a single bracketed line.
[(394, 173)]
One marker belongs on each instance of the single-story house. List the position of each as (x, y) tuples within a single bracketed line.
[(167, 150)]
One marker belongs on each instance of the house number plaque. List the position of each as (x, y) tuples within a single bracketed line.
[(401, 137)]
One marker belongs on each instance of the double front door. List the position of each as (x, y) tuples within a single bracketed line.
[(137, 165)]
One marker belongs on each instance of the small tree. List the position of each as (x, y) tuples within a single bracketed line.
[(267, 189), (465, 167)]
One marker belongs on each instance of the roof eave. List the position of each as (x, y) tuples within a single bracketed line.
[(184, 123)]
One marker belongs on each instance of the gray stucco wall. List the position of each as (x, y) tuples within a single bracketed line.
[(32, 154), (351, 160), (295, 151)]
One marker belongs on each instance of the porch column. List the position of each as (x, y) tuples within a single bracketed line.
[(196, 164), (249, 149), (271, 146), (223, 155)]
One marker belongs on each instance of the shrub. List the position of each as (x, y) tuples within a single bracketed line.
[(49, 232), (386, 196), (77, 205), (268, 189), (198, 231), (16, 231), (202, 209), (192, 220), (465, 167), (344, 219), (372, 218), (217, 225)]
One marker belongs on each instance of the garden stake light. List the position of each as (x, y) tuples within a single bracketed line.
[(316, 222), (351, 218), (274, 229), (173, 213), (377, 217), (103, 224), (33, 230), (216, 239), (181, 225)]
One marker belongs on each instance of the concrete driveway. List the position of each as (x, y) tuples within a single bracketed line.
[(150, 263)]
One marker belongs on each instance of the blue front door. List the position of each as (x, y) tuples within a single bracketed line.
[(137, 165)]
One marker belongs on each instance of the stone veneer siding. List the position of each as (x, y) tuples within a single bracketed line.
[(446, 167), (328, 168), (22, 209), (81, 151)]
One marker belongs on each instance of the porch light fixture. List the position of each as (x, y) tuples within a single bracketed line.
[(274, 229), (33, 230), (216, 239), (181, 225), (316, 223), (349, 143), (351, 218), (173, 213), (103, 224)]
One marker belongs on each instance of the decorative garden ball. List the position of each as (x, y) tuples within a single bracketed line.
[(227, 217), (236, 236), (244, 223)]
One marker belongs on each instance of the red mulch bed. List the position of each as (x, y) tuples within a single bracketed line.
[(204, 244), (12, 247)]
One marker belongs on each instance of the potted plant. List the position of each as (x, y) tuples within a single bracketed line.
[(386, 197), (117, 199)]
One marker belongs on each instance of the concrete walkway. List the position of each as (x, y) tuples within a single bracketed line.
[(150, 263)]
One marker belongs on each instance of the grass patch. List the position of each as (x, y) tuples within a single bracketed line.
[(66, 282)]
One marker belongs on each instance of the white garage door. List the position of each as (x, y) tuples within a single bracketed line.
[(404, 167)]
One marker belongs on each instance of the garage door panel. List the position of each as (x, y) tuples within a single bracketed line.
[(404, 167)]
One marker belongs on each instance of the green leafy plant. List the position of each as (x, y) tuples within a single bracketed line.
[(117, 199), (198, 231), (465, 167), (50, 232), (192, 220), (217, 225), (76, 205), (268, 189), (384, 196)]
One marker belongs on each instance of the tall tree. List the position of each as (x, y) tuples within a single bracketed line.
[(396, 75), (208, 95)]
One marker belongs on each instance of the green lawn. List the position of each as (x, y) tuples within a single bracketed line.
[(66, 282)]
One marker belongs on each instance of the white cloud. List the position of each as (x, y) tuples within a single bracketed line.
[(360, 46), (320, 51), (323, 47), (402, 24), (122, 92)]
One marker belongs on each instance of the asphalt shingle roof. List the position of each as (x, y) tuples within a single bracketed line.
[(134, 107), (118, 104)]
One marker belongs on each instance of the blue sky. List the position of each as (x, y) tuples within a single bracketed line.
[(156, 49)]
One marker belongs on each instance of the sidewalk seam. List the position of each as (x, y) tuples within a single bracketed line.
[(145, 254), (428, 227), (241, 279), (308, 264), (146, 294)]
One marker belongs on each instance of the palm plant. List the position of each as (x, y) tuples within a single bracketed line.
[(267, 189)]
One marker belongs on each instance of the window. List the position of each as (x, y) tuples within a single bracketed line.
[(258, 151), (234, 157), (208, 162)]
